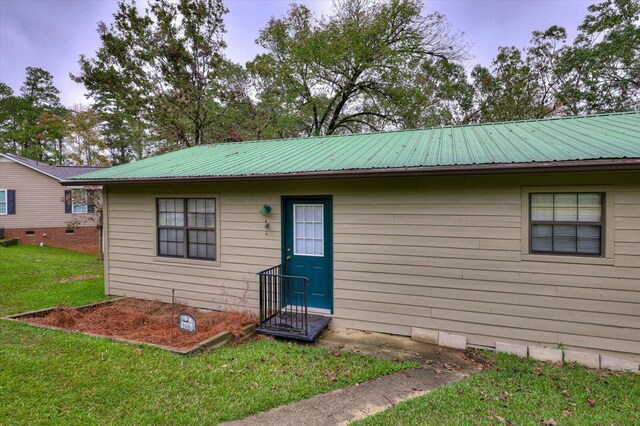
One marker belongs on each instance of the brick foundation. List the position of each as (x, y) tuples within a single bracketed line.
[(84, 239)]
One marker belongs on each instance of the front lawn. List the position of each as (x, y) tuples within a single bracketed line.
[(524, 392), (31, 278), (53, 377)]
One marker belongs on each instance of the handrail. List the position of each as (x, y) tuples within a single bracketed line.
[(283, 301)]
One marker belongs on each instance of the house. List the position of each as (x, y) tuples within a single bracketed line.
[(522, 232), (37, 209)]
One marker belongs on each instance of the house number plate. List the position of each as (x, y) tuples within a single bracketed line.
[(186, 322)]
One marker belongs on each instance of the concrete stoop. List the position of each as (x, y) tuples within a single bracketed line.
[(587, 359)]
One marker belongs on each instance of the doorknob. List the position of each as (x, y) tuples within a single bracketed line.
[(288, 257)]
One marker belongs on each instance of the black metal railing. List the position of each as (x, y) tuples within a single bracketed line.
[(283, 301)]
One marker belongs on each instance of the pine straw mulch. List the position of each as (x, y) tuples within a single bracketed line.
[(146, 321)]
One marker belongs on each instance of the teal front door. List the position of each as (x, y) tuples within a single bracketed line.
[(308, 246)]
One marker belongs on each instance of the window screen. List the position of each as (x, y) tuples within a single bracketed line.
[(187, 227), (567, 223)]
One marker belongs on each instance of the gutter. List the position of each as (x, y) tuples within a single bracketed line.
[(471, 170)]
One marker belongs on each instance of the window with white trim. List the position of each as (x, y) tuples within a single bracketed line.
[(308, 232), (3, 201), (79, 201), (570, 223), (187, 227)]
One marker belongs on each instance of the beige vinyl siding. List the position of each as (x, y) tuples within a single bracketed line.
[(38, 198), (440, 253)]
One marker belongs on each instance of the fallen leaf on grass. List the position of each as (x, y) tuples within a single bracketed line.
[(503, 396), (503, 421), (550, 422), (330, 375), (591, 402)]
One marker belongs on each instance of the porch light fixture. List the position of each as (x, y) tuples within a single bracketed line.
[(266, 211)]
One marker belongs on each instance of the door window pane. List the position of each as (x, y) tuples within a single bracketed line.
[(308, 246), (308, 229)]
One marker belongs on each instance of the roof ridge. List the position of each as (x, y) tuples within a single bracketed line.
[(448, 126)]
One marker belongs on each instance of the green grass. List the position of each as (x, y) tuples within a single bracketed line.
[(524, 392), (31, 274), (53, 377)]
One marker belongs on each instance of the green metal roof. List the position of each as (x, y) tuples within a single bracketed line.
[(567, 139)]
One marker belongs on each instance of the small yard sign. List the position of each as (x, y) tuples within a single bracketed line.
[(186, 322)]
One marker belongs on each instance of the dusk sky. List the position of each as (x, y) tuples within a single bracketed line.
[(52, 34)]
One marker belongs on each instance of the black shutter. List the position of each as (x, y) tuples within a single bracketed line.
[(67, 201), (11, 201)]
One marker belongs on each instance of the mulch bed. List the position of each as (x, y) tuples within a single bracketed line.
[(145, 321)]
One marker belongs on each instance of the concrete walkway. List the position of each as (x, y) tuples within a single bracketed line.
[(340, 407), (343, 406)]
